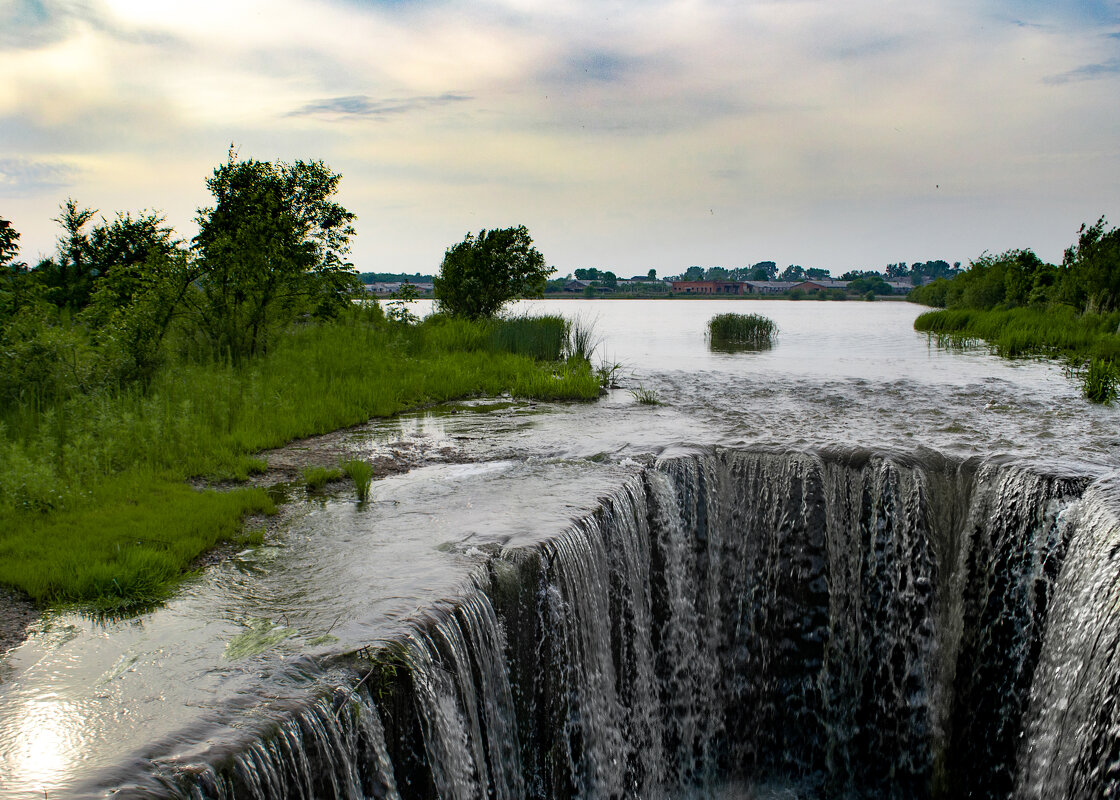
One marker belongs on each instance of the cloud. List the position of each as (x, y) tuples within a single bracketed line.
[(32, 24), (361, 105), (20, 177), (1104, 69)]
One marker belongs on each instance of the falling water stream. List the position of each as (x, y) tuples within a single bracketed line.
[(852, 566)]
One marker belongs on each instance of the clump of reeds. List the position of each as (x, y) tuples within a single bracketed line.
[(753, 330), (1101, 381), (542, 338), (582, 341), (361, 473), (318, 477)]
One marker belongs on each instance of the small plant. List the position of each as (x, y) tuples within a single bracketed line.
[(318, 477), (607, 373), (645, 397), (1101, 381), (362, 474), (400, 309), (753, 330)]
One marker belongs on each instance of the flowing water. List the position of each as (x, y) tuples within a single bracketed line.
[(850, 566)]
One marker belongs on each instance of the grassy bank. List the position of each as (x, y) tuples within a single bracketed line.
[(1059, 331), (1091, 342), (93, 506)]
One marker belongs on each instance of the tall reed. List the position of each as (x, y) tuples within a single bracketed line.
[(753, 330)]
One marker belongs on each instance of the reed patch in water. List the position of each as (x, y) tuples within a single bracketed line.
[(751, 330)]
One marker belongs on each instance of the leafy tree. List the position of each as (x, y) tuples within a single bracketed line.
[(651, 275), (764, 271), (589, 274), (717, 274), (1092, 269), (693, 274), (870, 283), (9, 246), (793, 273), (609, 279), (69, 276), (482, 273), (270, 249), (15, 283), (817, 274)]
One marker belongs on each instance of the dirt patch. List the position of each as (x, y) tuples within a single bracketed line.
[(17, 613)]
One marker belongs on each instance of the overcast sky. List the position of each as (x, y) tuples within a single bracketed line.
[(626, 135)]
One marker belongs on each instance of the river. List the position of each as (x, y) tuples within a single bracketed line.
[(241, 684)]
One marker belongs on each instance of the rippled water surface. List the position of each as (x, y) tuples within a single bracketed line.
[(88, 705)]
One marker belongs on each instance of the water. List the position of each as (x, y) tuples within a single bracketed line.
[(853, 564)]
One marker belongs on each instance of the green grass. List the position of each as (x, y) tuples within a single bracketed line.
[(1059, 331), (60, 461), (1101, 380), (127, 546), (316, 478), (362, 474), (645, 397), (753, 330)]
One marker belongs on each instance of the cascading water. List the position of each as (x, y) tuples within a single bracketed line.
[(837, 623)]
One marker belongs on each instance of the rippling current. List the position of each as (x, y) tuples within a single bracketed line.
[(853, 565)]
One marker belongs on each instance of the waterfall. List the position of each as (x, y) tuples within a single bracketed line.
[(842, 622)]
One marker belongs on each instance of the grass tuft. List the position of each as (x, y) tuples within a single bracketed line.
[(1101, 381), (317, 477), (362, 474), (646, 397)]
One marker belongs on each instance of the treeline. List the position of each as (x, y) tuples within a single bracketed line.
[(119, 296), (1021, 305), (917, 273), (1088, 279), (393, 277)]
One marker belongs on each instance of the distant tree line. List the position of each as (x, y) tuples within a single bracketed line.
[(917, 273), (1088, 279), (393, 277)]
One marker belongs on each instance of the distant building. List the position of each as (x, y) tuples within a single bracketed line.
[(387, 289), (708, 288), (819, 285)]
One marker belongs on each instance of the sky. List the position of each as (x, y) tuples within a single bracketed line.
[(839, 134)]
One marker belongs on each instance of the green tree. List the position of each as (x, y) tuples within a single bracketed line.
[(482, 273), (1091, 267), (15, 283), (793, 272), (817, 274), (270, 249), (693, 273), (651, 275), (764, 271), (70, 274)]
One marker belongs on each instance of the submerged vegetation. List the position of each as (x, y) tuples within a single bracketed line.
[(132, 362), (1022, 306), (747, 330)]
